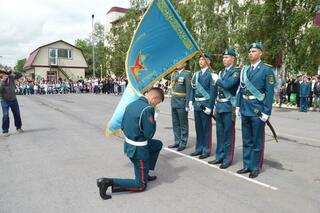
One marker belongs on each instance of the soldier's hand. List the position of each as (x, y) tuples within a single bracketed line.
[(215, 77), (187, 109), (264, 117), (156, 115), (191, 106), (207, 111), (238, 112)]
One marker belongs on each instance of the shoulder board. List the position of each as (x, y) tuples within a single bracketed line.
[(187, 71), (269, 65)]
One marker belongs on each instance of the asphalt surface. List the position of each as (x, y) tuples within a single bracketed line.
[(53, 165)]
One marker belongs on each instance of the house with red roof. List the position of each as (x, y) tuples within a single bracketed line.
[(56, 60)]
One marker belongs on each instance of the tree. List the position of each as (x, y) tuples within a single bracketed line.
[(284, 27), (119, 38), (19, 65), (100, 50)]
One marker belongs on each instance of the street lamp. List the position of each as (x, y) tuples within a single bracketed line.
[(92, 42)]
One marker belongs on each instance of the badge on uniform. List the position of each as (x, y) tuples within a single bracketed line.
[(270, 79), (180, 80), (235, 75)]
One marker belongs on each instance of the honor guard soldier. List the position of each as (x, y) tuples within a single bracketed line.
[(255, 98), (138, 126), (180, 83), (226, 83), (201, 101)]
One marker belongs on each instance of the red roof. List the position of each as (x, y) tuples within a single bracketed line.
[(118, 9), (31, 58)]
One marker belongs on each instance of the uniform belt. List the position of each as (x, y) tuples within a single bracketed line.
[(200, 99), (136, 143), (222, 100), (249, 97), (180, 94)]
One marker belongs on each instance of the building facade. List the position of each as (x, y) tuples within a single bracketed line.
[(56, 60)]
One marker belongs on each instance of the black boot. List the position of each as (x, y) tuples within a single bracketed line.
[(103, 184), (151, 178)]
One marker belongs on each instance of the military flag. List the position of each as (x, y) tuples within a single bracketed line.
[(160, 42)]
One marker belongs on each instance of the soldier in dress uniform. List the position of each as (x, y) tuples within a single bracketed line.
[(254, 104), (139, 127), (201, 100), (180, 84), (227, 83)]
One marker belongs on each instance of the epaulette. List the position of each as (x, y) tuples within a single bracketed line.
[(269, 65)]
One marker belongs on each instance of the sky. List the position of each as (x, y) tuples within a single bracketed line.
[(27, 24)]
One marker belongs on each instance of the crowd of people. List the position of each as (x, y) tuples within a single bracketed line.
[(108, 85), (287, 92), (299, 90), (92, 85)]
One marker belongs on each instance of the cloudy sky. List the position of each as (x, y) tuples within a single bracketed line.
[(28, 24)]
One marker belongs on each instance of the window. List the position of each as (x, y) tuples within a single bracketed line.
[(64, 53)]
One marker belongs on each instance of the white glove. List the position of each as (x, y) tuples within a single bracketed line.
[(264, 117), (187, 109), (156, 113), (191, 106), (238, 112), (207, 111), (215, 77)]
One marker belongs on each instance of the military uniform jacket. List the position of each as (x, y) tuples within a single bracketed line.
[(263, 79), (181, 86), (305, 89), (229, 81), (205, 80), (138, 124)]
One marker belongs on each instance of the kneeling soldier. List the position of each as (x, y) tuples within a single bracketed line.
[(138, 126)]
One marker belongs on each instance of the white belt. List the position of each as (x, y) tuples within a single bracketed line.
[(223, 100), (249, 97), (136, 143), (200, 99)]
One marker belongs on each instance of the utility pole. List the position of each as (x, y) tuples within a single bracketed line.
[(101, 71), (92, 42)]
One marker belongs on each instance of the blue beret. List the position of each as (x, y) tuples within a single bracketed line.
[(257, 45), (230, 51)]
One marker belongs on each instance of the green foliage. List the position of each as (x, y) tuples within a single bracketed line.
[(100, 51), (19, 65), (119, 39), (284, 27)]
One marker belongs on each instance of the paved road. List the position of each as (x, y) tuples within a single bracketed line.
[(52, 167)]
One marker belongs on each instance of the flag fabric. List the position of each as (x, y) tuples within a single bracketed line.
[(160, 42)]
